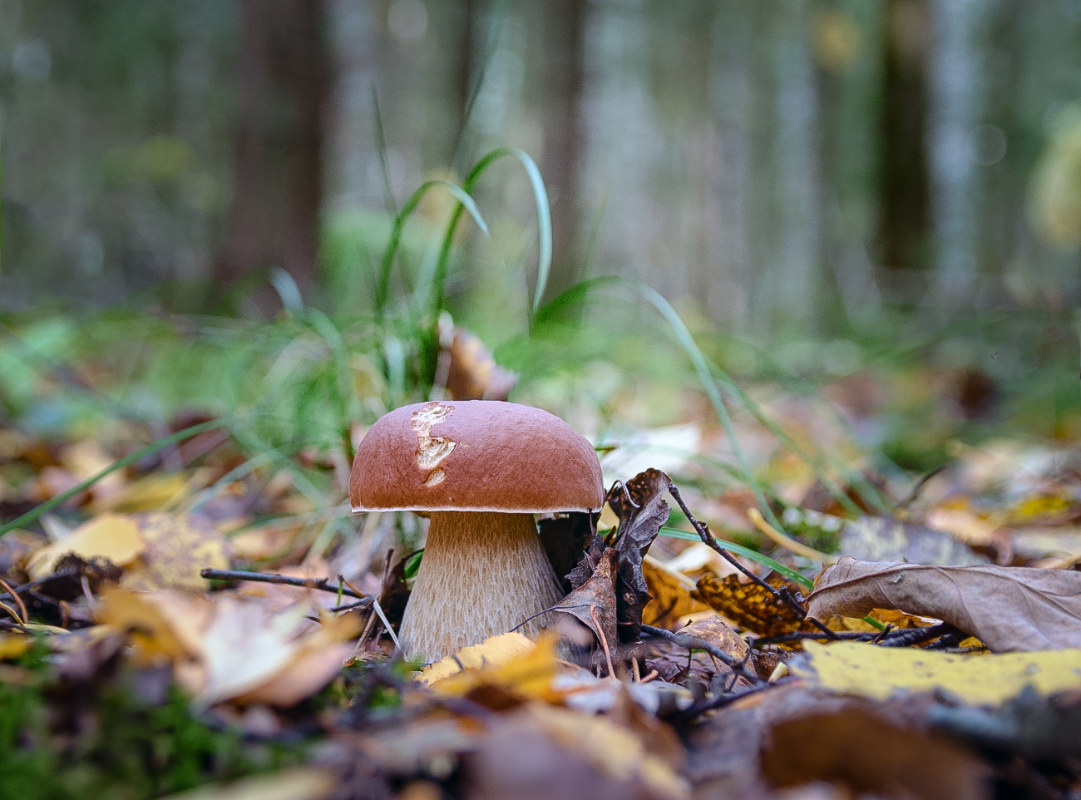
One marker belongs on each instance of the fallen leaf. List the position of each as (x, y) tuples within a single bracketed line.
[(13, 646), (494, 651), (151, 493), (888, 539), (472, 373), (596, 598), (1007, 608), (109, 536), (298, 783), (858, 750), (527, 675), (880, 672), (178, 546), (671, 597), (150, 632), (571, 755), (642, 511), (748, 605)]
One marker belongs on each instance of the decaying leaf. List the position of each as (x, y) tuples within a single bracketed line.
[(178, 546), (1007, 608), (642, 511), (887, 539), (881, 672), (596, 598), (748, 605)]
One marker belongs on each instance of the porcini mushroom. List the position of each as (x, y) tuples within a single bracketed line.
[(481, 469)]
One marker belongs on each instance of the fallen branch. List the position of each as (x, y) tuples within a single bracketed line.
[(322, 584)]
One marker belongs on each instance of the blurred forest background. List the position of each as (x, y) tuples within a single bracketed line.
[(782, 171)]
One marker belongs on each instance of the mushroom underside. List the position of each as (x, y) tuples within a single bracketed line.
[(483, 573)]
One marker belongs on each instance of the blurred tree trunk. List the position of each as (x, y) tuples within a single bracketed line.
[(905, 182), (564, 82), (279, 142)]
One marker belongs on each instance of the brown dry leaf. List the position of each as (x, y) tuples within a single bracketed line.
[(528, 675), (862, 752), (642, 511), (596, 597), (963, 525), (570, 755), (748, 605), (110, 536), (671, 598), (472, 373), (1007, 608), (178, 546), (494, 651), (674, 663)]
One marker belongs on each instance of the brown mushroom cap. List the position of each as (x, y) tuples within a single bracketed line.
[(475, 455)]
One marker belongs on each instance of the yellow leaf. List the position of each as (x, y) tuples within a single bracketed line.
[(178, 546), (526, 675), (150, 493), (108, 536), (671, 592), (13, 646), (150, 631), (494, 651), (880, 672)]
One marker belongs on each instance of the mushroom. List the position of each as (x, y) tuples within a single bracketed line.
[(481, 469)]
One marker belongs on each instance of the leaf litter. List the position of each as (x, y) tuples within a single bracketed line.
[(699, 673)]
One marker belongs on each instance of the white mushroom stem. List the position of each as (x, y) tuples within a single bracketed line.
[(482, 574)]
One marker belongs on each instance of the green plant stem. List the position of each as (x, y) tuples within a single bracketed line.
[(150, 449)]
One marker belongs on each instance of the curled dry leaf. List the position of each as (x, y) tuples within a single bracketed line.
[(1007, 608), (596, 598), (640, 505)]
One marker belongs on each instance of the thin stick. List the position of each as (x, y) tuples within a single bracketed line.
[(787, 542), (604, 640), (378, 610), (716, 702), (694, 643), (781, 594), (322, 584), (18, 600), (14, 614)]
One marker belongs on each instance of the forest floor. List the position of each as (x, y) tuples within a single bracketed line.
[(770, 610)]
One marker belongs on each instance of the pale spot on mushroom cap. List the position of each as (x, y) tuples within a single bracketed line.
[(431, 450)]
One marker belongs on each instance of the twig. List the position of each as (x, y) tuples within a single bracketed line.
[(893, 638), (322, 584), (712, 703), (603, 638), (378, 610), (18, 600), (737, 665), (787, 542), (782, 594), (13, 613)]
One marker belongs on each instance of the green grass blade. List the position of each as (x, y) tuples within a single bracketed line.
[(150, 449), (465, 202), (746, 552), (544, 225)]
